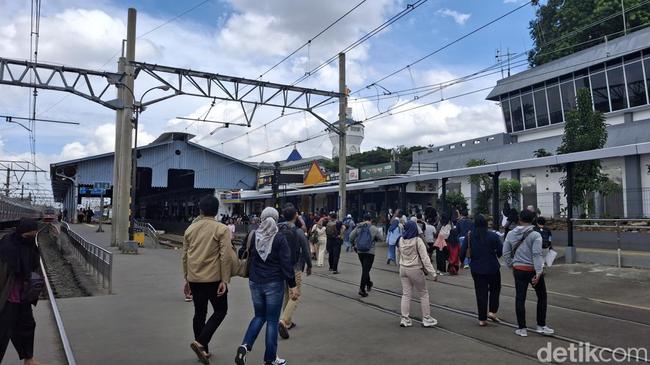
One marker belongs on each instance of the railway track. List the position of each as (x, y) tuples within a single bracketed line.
[(460, 312)]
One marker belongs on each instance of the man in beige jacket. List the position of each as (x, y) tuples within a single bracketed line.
[(207, 268)]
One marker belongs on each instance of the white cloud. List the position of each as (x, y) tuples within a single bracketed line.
[(253, 37), (459, 18)]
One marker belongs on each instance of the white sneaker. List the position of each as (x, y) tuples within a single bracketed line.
[(405, 322), (545, 330), (240, 358), (279, 361), (429, 321), (521, 332)]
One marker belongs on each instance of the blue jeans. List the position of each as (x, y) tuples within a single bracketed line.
[(348, 245), (267, 302), (391, 253)]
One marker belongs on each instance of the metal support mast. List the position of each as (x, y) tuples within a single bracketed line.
[(343, 105)]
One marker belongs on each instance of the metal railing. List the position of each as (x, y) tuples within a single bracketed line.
[(67, 349), (150, 231), (97, 260), (620, 225)]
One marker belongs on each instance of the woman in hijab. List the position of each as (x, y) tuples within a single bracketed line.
[(19, 258), (270, 267), (442, 251), (394, 234), (484, 248), (414, 265)]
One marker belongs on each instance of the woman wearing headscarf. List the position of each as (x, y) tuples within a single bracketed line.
[(270, 267), (442, 251), (414, 265), (394, 234), (321, 244), (484, 247), (19, 258)]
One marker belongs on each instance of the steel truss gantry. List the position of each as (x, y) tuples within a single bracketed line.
[(93, 85)]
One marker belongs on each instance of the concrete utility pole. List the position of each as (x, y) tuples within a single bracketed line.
[(343, 106), (117, 157), (121, 215)]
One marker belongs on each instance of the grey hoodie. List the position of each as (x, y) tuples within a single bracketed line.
[(529, 252)]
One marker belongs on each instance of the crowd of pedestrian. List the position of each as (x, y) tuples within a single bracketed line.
[(279, 252)]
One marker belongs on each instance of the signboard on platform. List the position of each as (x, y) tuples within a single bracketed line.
[(379, 170), (353, 175), (102, 185), (91, 192), (233, 197)]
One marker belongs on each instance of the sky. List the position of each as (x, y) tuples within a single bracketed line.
[(244, 38)]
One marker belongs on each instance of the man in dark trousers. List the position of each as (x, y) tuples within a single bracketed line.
[(334, 231), (363, 239), (301, 260), (19, 258), (207, 269)]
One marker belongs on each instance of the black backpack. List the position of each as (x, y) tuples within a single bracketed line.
[(290, 234)]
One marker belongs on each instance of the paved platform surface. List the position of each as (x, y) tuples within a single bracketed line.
[(146, 320)]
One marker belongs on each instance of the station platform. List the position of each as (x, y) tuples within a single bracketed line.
[(146, 320)]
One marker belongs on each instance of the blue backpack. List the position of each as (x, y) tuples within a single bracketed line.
[(364, 239), (393, 236)]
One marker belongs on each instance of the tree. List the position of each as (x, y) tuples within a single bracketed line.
[(584, 130), (456, 200), (542, 152), (509, 190), (484, 183), (379, 155), (562, 27)]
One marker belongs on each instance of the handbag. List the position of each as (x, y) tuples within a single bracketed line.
[(424, 270), (241, 261), (32, 288)]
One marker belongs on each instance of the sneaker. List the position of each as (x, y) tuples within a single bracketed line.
[(369, 286), (545, 330), (429, 321), (278, 361), (465, 266), (335, 272), (521, 332), (188, 298), (283, 331), (363, 293), (405, 322), (240, 359)]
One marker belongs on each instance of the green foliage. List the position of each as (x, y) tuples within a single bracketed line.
[(484, 182), (509, 190), (542, 152), (377, 156), (557, 29), (456, 200), (584, 130)]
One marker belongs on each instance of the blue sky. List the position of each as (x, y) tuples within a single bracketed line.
[(243, 37)]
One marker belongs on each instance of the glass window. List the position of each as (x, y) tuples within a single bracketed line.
[(540, 107), (554, 104), (617, 92), (568, 97), (635, 83), (582, 83), (596, 68), (505, 106), (517, 115), (529, 111), (632, 57), (614, 62), (599, 92)]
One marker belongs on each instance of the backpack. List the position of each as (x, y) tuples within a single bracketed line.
[(364, 239), (331, 230), (393, 236), (290, 234), (241, 260)]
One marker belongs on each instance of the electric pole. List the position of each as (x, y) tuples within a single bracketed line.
[(121, 215), (343, 106)]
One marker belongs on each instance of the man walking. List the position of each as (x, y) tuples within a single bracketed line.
[(207, 269), (464, 226), (522, 251), (349, 226), (300, 259), (334, 231), (19, 260), (363, 239)]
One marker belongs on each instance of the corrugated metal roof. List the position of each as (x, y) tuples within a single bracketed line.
[(603, 52), (213, 170)]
